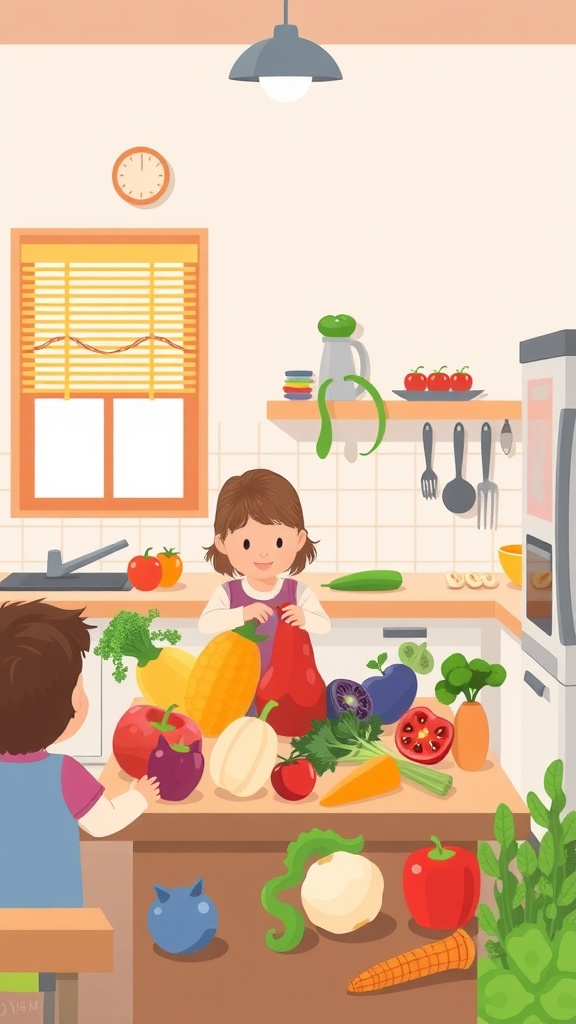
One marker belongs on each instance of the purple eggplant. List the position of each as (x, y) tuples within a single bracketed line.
[(178, 768)]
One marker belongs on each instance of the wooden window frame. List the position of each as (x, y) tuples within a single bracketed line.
[(195, 406)]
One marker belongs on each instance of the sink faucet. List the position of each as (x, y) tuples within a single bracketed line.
[(56, 567)]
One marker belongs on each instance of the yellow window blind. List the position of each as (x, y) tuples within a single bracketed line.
[(106, 317)]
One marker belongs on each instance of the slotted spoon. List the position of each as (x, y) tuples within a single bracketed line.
[(459, 496)]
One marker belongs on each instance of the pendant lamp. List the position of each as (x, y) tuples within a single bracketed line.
[(285, 65)]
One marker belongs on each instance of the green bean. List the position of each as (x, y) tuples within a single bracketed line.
[(324, 442), (316, 843), (380, 409)]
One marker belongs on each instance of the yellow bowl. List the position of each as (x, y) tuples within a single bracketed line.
[(510, 556)]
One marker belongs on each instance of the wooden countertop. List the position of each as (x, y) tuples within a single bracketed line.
[(421, 595), (410, 814)]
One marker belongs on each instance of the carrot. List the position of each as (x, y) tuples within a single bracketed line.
[(457, 952), (373, 778)]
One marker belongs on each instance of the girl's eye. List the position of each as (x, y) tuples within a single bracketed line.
[(246, 544), (279, 542)]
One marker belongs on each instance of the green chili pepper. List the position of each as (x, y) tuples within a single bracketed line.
[(377, 399), (315, 843), (324, 442)]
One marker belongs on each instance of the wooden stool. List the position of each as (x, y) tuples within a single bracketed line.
[(64, 943)]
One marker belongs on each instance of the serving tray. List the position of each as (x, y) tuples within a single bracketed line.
[(438, 396)]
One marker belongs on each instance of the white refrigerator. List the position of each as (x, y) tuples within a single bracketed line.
[(548, 691)]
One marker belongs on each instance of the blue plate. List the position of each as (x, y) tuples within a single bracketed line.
[(299, 373), (297, 398), (438, 396)]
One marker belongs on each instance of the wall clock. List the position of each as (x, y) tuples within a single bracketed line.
[(141, 176)]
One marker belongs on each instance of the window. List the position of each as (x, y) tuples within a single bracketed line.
[(109, 371)]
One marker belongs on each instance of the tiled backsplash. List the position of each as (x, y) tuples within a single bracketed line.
[(365, 514)]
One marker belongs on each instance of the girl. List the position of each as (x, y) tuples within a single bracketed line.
[(260, 536)]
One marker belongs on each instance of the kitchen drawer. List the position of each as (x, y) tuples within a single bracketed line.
[(345, 651)]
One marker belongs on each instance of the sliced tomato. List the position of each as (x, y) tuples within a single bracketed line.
[(424, 737)]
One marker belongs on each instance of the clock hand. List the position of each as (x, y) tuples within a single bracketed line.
[(141, 161)]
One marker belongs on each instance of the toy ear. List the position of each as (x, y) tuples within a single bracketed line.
[(162, 894), (196, 889)]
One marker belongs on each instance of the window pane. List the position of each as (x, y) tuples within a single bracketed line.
[(148, 448), (69, 448)]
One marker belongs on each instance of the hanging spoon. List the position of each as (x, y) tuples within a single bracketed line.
[(506, 439)]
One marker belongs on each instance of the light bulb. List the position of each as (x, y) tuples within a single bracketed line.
[(286, 89)]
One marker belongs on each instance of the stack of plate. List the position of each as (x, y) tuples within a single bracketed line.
[(298, 385)]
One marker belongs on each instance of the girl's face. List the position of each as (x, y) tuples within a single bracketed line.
[(262, 551)]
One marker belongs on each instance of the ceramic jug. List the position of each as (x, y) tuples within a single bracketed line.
[(338, 362)]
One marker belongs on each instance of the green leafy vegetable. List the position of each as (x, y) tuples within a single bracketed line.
[(467, 678), (340, 326), (346, 740), (380, 408), (128, 635)]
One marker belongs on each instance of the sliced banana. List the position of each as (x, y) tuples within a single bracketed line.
[(542, 580), (473, 580), (489, 580), (455, 580)]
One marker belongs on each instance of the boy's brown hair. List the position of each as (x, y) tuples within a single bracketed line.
[(41, 652), (267, 498)]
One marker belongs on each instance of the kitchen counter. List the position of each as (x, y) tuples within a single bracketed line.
[(421, 595), (236, 846)]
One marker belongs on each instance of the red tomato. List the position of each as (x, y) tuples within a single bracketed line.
[(293, 780), (144, 572), (415, 381), (460, 381), (438, 381), (422, 736), (442, 886), (137, 732)]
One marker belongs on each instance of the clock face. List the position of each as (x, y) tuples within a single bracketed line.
[(141, 176)]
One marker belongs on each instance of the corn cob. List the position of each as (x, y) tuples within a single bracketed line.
[(371, 579), (457, 952), (224, 679)]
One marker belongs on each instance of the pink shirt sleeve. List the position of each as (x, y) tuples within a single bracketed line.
[(79, 788)]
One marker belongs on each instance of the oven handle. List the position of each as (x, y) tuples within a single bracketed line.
[(566, 625)]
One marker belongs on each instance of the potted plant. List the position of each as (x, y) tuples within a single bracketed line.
[(471, 730)]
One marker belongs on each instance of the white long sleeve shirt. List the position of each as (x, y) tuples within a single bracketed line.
[(109, 816), (218, 616)]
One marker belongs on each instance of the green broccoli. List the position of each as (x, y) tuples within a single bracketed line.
[(128, 635)]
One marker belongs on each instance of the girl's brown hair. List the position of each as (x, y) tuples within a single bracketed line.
[(41, 652), (267, 498)]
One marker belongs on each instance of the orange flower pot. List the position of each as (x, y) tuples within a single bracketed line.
[(471, 736)]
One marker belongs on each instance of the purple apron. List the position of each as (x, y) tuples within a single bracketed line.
[(239, 599)]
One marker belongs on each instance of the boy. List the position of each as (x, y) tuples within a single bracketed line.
[(44, 797)]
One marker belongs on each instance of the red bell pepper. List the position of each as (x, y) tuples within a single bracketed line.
[(442, 886), (292, 680)]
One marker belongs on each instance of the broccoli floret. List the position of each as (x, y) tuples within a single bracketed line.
[(128, 635)]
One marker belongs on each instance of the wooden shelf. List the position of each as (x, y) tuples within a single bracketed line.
[(476, 409)]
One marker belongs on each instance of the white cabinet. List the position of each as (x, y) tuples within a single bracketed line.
[(87, 745), (351, 643), (511, 732)]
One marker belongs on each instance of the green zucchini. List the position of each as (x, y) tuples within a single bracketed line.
[(370, 579)]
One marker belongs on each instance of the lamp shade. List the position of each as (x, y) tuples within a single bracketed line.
[(285, 55)]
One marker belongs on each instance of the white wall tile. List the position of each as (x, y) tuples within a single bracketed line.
[(435, 544), (285, 465), (325, 536), (315, 473), (395, 448), (111, 534), (356, 542), (463, 565), (319, 566), (213, 472), (11, 544), (6, 511), (320, 506), (273, 439), (41, 567), (507, 470), (158, 537), (4, 471), (432, 511), (356, 508), (395, 544), (193, 540), (79, 540), (358, 475), (37, 540), (396, 472), (396, 508), (345, 568), (239, 434), (235, 465), (510, 509), (473, 547), (425, 566)]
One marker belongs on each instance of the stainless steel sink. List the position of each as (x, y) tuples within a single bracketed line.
[(60, 575), (74, 581)]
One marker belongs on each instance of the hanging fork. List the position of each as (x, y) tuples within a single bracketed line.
[(428, 480), (487, 489)]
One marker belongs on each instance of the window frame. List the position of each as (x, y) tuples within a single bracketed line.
[(194, 501)]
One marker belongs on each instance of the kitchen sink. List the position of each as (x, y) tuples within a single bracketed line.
[(27, 581)]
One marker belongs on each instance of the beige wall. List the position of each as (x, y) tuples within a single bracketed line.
[(430, 194)]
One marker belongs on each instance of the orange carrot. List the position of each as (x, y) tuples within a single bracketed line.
[(457, 952), (375, 777)]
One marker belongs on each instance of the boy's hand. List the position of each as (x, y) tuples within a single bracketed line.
[(150, 788), (293, 615), (258, 611)]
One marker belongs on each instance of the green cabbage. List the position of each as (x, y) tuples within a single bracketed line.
[(341, 326)]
